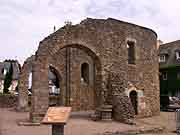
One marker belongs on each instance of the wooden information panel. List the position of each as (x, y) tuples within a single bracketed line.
[(57, 115)]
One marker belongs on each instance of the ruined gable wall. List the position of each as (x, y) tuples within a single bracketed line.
[(106, 39)]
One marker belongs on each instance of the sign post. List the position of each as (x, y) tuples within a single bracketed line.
[(177, 120), (57, 117)]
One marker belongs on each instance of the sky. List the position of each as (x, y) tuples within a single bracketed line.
[(24, 23)]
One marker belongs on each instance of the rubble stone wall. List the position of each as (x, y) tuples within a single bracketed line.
[(24, 83), (102, 43)]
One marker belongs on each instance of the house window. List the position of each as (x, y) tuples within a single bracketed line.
[(85, 73), (164, 76), (177, 55), (131, 52), (162, 58)]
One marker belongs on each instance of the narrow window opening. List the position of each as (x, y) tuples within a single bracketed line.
[(85, 73), (30, 83), (131, 52)]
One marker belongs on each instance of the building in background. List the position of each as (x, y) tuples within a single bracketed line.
[(169, 61), (4, 69)]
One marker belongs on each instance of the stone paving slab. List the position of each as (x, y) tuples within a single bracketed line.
[(78, 126)]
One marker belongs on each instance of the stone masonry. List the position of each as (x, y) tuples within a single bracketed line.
[(120, 101), (24, 84), (99, 62)]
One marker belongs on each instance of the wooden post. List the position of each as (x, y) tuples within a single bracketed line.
[(57, 129), (57, 117)]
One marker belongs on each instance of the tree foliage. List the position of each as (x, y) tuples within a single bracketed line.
[(8, 79)]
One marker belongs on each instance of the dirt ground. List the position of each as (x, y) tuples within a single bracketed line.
[(80, 126)]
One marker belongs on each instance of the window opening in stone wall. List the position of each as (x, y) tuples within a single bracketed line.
[(131, 52), (30, 83), (85, 73)]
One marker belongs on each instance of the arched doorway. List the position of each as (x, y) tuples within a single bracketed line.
[(54, 87), (81, 76), (73, 92), (133, 97)]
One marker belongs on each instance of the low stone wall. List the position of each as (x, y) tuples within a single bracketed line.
[(8, 100)]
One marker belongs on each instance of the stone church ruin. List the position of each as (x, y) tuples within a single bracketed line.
[(95, 63)]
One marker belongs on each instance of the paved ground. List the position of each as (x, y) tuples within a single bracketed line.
[(79, 126), (166, 120)]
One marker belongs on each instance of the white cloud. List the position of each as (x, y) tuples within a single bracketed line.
[(24, 23)]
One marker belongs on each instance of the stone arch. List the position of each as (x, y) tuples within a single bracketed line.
[(141, 104), (55, 86), (53, 48), (40, 71), (98, 68), (57, 73)]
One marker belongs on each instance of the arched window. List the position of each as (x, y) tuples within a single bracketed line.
[(131, 52), (85, 73)]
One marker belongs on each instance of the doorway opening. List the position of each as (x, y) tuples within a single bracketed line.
[(133, 97)]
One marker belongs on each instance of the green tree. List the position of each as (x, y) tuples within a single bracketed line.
[(8, 79)]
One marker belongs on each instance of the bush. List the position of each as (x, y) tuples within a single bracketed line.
[(8, 79)]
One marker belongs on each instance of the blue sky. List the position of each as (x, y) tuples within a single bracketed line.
[(23, 23)]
